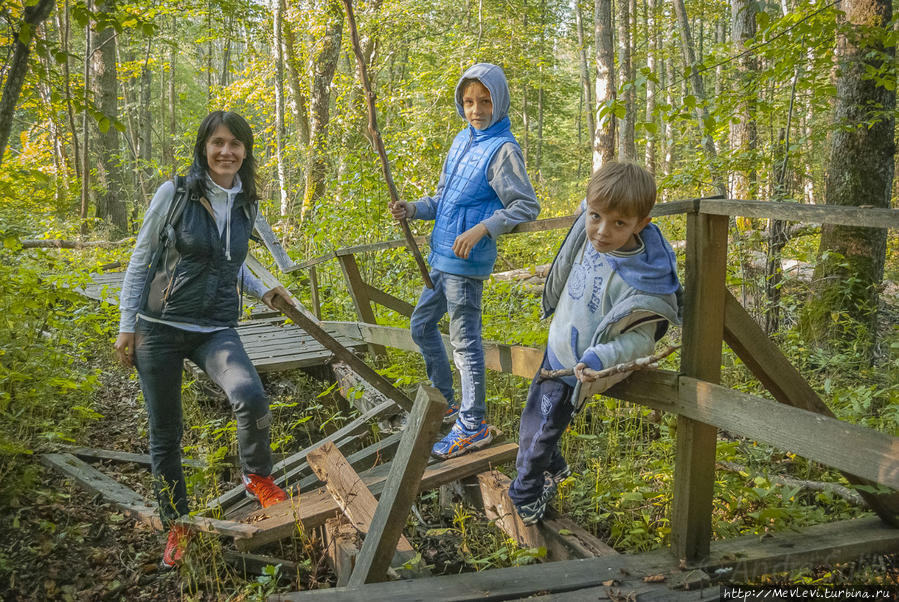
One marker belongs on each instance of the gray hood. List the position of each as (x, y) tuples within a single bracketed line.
[(494, 79)]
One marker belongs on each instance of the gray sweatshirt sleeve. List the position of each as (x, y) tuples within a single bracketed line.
[(251, 284), (147, 242), (426, 206), (509, 179)]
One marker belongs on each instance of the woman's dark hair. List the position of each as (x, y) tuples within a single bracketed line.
[(238, 126)]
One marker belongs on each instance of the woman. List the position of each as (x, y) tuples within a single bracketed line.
[(182, 299)]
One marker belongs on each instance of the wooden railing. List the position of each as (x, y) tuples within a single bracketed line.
[(798, 421)]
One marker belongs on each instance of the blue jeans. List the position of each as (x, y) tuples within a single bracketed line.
[(159, 353), (460, 297), (546, 415)]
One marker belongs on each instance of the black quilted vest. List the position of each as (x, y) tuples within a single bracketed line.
[(193, 281)]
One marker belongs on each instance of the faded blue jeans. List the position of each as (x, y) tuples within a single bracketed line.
[(460, 297), (159, 353)]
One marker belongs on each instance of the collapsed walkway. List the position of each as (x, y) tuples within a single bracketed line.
[(351, 493)]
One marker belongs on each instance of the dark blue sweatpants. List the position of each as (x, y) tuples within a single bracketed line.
[(544, 419)]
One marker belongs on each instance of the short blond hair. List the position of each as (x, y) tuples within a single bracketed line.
[(623, 187)]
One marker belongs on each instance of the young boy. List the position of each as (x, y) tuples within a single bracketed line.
[(484, 191), (613, 287)]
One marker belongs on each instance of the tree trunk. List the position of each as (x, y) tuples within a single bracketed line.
[(604, 136), (539, 158), (85, 131), (172, 117), (110, 204), (277, 20), (702, 115), (323, 67), (851, 260), (652, 51), (626, 146), (300, 102), (18, 67), (525, 120), (145, 121), (64, 32), (743, 133), (226, 54), (585, 70)]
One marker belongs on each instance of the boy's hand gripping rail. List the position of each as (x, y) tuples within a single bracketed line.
[(379, 144), (637, 364)]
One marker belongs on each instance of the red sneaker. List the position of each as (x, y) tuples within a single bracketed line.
[(179, 537), (263, 489)]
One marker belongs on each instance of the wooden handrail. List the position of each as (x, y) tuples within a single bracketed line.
[(871, 217)]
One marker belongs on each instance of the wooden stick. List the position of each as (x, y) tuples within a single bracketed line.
[(378, 143), (637, 364)]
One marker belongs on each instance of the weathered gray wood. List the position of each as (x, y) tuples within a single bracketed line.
[(747, 557), (653, 388), (511, 359), (401, 487), (284, 472), (870, 217), (359, 292), (766, 361), (313, 286), (92, 453), (130, 503), (310, 325), (703, 333), (358, 392), (498, 507), (314, 507), (389, 301), (376, 454), (579, 542), (848, 447), (271, 242), (341, 548)]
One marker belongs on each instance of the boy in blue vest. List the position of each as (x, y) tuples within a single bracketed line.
[(613, 287), (484, 191)]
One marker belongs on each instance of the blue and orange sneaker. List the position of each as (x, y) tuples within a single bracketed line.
[(452, 412), (461, 440)]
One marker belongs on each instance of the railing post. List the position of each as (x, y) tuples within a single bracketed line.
[(703, 332), (359, 293), (313, 284)]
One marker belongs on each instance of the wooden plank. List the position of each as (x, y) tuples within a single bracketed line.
[(341, 548), (653, 388), (307, 322), (749, 556), (848, 447), (129, 502), (580, 542), (389, 301), (92, 453), (354, 388), (312, 508), (271, 242), (511, 359), (507, 583), (355, 500), (703, 333), (374, 455), (313, 286), (401, 487), (869, 217), (494, 487), (766, 361), (281, 470), (378, 246), (359, 293)]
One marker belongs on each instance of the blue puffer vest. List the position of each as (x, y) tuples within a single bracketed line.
[(467, 200), (197, 283)]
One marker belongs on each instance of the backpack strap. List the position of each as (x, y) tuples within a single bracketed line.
[(167, 235)]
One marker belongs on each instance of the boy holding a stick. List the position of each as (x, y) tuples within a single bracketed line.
[(484, 191), (614, 289)]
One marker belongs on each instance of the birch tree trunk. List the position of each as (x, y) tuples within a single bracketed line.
[(652, 50), (585, 70), (851, 260), (323, 68), (702, 115), (63, 25), (277, 20), (626, 146), (604, 136)]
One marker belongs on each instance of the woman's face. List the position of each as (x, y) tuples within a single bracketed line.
[(225, 155)]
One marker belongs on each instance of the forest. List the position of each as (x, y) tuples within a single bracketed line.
[(789, 103)]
